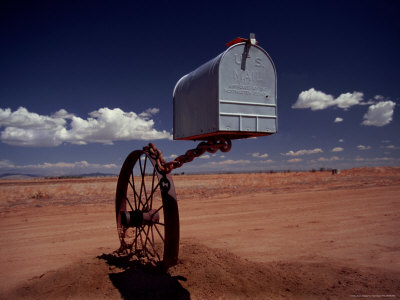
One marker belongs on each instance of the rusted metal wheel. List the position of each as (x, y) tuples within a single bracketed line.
[(147, 211)]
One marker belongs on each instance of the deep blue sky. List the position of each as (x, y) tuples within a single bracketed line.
[(82, 56)]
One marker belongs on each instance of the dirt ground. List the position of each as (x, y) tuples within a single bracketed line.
[(243, 236)]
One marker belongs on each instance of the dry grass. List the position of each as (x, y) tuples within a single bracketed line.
[(102, 190), (56, 191)]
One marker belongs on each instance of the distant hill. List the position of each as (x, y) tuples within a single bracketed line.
[(30, 176), (98, 175), (17, 176), (90, 175)]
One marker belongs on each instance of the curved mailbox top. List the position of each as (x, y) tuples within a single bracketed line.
[(233, 95)]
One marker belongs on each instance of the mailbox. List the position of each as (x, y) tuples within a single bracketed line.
[(233, 95)]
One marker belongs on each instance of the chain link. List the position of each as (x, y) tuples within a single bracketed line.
[(211, 146)]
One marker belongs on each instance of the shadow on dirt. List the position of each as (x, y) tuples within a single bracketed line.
[(138, 280)]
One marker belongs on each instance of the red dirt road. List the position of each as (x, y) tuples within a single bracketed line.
[(243, 236)]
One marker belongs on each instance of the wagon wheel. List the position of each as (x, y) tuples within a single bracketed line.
[(147, 211)]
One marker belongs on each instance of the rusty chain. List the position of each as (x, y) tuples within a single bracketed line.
[(211, 146)]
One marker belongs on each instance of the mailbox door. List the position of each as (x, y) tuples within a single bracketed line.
[(247, 92)]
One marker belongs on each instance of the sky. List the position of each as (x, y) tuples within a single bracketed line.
[(84, 83)]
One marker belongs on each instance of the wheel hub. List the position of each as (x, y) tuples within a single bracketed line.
[(137, 218)]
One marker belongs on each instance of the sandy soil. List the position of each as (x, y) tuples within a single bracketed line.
[(243, 236)]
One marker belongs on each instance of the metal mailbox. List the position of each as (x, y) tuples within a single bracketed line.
[(233, 95)]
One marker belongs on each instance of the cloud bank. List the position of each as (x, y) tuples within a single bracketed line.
[(303, 152), (362, 147), (258, 155), (59, 168), (380, 111), (317, 100), (295, 160), (333, 158), (230, 162), (24, 128)]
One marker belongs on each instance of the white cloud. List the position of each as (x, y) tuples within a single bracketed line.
[(379, 114), (377, 98), (333, 158), (385, 159), (362, 147), (62, 113), (78, 164), (376, 159), (149, 112), (205, 156), (24, 128), (317, 100), (6, 164), (338, 120), (313, 99), (341, 141), (348, 99), (295, 160), (267, 161), (172, 156), (391, 147), (337, 149), (258, 155), (303, 152), (230, 162), (58, 167)]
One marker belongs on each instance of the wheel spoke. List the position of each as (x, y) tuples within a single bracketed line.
[(133, 188), (126, 198), (152, 234), (147, 240), (140, 235), (135, 240), (152, 244), (152, 188), (151, 196), (156, 211), (135, 195), (155, 226), (141, 173), (137, 234), (143, 181)]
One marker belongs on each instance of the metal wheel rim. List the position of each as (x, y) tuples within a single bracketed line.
[(140, 190)]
